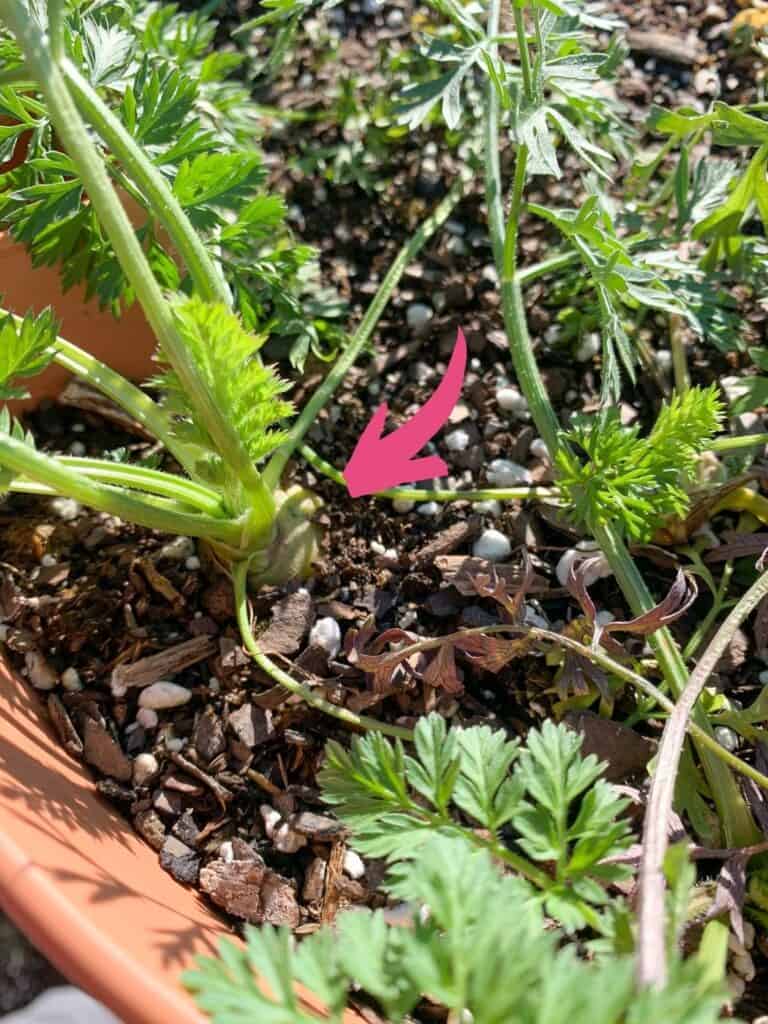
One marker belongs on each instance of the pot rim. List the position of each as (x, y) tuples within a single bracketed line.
[(63, 882)]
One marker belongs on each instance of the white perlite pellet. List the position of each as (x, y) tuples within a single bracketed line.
[(70, 680), (457, 441), (511, 400), (598, 570), (429, 508), (65, 508), (353, 865), (539, 449), (145, 767), (147, 718), (326, 634), (504, 473), (177, 550), (402, 506), (39, 672), (164, 695), (492, 546), (418, 317)]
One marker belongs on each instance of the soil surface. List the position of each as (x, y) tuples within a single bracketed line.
[(95, 611)]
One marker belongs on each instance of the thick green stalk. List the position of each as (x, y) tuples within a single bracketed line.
[(28, 462), (113, 218), (307, 694), (207, 276), (356, 343), (153, 481), (524, 52), (129, 397), (735, 444)]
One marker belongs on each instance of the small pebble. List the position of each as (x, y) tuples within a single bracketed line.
[(418, 317), (78, 449), (164, 695), (664, 360), (175, 745), (539, 449), (504, 473), (511, 400), (39, 672), (177, 550), (226, 852), (395, 18), (48, 561), (145, 767), (532, 617), (66, 508), (457, 441), (286, 840), (589, 347), (429, 508), (147, 718), (744, 966), (727, 738), (70, 680), (763, 677), (488, 508), (271, 819), (326, 633), (402, 506), (492, 545), (599, 570), (353, 865), (192, 563)]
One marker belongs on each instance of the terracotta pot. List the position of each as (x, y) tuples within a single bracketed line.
[(77, 880), (126, 344)]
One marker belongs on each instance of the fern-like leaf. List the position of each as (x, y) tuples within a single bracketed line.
[(612, 475), (226, 356), (25, 349)]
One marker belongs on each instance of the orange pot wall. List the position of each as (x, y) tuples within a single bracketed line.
[(84, 888), (126, 344), (78, 881)]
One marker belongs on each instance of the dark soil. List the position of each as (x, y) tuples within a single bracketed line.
[(236, 764)]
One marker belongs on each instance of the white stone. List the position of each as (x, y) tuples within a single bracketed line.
[(145, 767), (377, 547), (727, 738), (192, 563), (353, 865), (504, 473), (164, 695), (490, 508), (539, 449), (39, 672), (66, 508), (286, 840), (227, 851), (588, 348), (78, 449), (418, 317), (271, 819), (664, 360), (48, 561), (326, 633), (70, 680), (457, 440), (604, 618), (429, 508), (763, 677), (492, 545), (147, 718), (178, 549), (402, 506), (600, 569), (175, 744), (511, 400)]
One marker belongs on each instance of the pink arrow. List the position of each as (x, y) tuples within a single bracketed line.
[(381, 462)]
